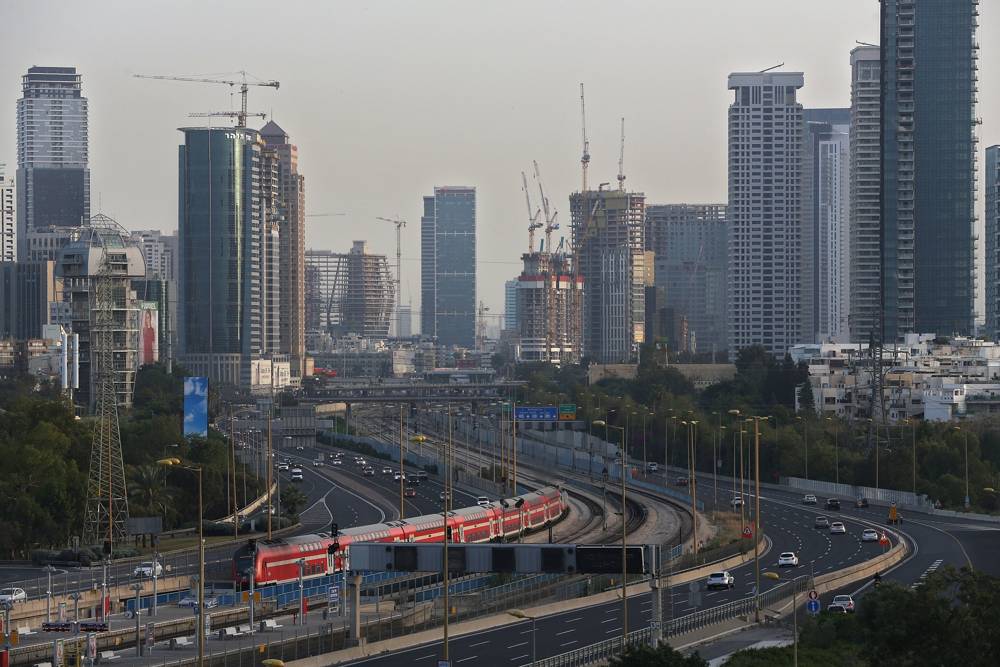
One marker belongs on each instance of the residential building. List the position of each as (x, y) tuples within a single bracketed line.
[(510, 305), (159, 251), (53, 173), (992, 186), (159, 285), (290, 210), (688, 242), (769, 282), (27, 292), (827, 200), (448, 266), (8, 224), (404, 315), (609, 242), (929, 84), (865, 187)]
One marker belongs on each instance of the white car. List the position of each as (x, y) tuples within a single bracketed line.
[(399, 475), (147, 568), (483, 501), (317, 464), (809, 499), (720, 580), (737, 501), (13, 595), (869, 535), (837, 528), (192, 601), (788, 559), (296, 474), (845, 601), (337, 462), (283, 467)]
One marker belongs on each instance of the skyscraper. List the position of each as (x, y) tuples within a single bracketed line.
[(221, 227), (689, 248), (448, 266), (53, 176), (992, 182), (928, 75), (866, 181), (510, 305), (291, 218), (608, 240), (8, 228), (769, 288), (827, 202)]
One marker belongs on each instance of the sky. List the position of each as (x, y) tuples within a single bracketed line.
[(386, 99)]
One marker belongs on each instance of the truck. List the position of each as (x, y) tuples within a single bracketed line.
[(895, 518)]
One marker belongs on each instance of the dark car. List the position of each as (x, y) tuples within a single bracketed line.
[(832, 504), (861, 503), (681, 481)]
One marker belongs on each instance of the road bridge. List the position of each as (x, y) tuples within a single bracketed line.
[(373, 391)]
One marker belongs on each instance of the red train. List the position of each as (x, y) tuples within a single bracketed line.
[(277, 560)]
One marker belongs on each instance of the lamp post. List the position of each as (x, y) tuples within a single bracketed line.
[(156, 564), (736, 417), (795, 617), (756, 512), (600, 422), (48, 592), (913, 453), (446, 533), (965, 433), (137, 587), (175, 462), (805, 436), (402, 459), (517, 613), (692, 482), (836, 449), (6, 604)]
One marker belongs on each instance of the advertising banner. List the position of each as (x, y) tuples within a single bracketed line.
[(196, 406), (149, 327)]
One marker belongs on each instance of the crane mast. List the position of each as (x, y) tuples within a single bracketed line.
[(621, 160), (399, 259), (533, 223), (585, 158), (550, 218)]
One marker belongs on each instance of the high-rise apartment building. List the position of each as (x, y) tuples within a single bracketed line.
[(928, 84), (222, 226), (510, 305), (865, 187), (609, 243), (27, 292), (159, 250), (8, 224), (448, 266), (688, 242), (769, 287), (404, 317), (827, 201), (159, 285), (53, 174), (290, 211), (992, 183)]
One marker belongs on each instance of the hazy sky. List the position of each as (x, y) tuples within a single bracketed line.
[(388, 99)]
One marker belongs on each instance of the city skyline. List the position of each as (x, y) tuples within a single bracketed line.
[(492, 127)]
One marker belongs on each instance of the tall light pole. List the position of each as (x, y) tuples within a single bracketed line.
[(446, 458), (517, 613), (836, 448), (913, 452), (402, 511), (736, 417), (805, 434), (175, 462), (966, 434), (603, 423), (692, 425), (756, 513)]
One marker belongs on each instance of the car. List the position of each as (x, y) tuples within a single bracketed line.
[(681, 481), (737, 501), (788, 559), (837, 528), (441, 496), (809, 499), (720, 580), (483, 501), (837, 609), (869, 535), (832, 504), (414, 480), (368, 472), (297, 475), (337, 462), (283, 467), (361, 462), (317, 464), (13, 595), (398, 476), (845, 601), (422, 474), (410, 492), (148, 569), (821, 522), (300, 448), (861, 503), (386, 470), (337, 455), (652, 466)]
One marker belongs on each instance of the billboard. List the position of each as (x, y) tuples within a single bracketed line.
[(544, 413), (149, 327), (196, 406)]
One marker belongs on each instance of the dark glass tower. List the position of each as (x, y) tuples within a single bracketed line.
[(448, 266), (928, 65)]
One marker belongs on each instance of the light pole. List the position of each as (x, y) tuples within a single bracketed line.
[(795, 617), (736, 417), (756, 512), (913, 453), (48, 592), (75, 597), (805, 435), (175, 462), (156, 563), (137, 587), (966, 434), (517, 613), (6, 604), (600, 422), (692, 425), (836, 449)]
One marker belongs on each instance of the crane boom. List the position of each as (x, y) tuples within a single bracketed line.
[(533, 223), (550, 217), (241, 116), (585, 158), (621, 160), (399, 258)]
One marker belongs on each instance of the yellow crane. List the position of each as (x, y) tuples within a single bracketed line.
[(242, 82)]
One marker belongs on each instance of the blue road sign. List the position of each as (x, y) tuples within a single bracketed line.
[(812, 606), (543, 413)]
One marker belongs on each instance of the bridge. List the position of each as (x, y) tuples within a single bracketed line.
[(416, 392)]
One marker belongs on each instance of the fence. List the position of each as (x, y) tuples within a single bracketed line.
[(884, 496)]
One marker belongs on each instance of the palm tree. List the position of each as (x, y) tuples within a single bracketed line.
[(148, 488)]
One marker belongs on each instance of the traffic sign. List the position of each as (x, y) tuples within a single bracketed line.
[(333, 600), (812, 606), (747, 533), (544, 413), (813, 595), (567, 412)]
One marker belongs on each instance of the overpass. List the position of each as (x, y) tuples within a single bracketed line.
[(373, 391)]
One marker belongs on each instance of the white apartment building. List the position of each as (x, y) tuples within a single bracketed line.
[(8, 225), (769, 289)]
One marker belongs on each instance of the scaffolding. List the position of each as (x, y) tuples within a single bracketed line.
[(548, 301), (349, 293)]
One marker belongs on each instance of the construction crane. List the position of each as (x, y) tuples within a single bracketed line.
[(533, 223), (399, 259), (324, 215), (585, 158), (550, 219), (621, 160), (481, 326), (241, 115), (230, 114)]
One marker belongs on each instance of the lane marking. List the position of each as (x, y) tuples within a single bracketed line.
[(516, 645), (479, 644)]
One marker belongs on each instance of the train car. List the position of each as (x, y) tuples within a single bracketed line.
[(277, 560)]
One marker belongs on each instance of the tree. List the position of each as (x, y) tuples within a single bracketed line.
[(662, 656), (148, 491), (292, 500)]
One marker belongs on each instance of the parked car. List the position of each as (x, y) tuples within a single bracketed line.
[(869, 535), (837, 528), (845, 601), (410, 492), (832, 504), (147, 568), (809, 499), (13, 595), (821, 522), (788, 559), (720, 580), (861, 503), (483, 501)]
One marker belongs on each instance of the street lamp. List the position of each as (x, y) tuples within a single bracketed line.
[(756, 512), (913, 451), (692, 482), (836, 448), (966, 434), (805, 434), (795, 617), (48, 592), (601, 422), (176, 463), (517, 613)]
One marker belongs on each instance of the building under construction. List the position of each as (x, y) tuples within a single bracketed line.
[(608, 244), (348, 293), (548, 300)]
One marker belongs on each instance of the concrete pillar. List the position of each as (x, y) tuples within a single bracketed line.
[(355, 635)]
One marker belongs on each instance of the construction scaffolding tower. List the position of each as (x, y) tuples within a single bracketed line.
[(349, 293)]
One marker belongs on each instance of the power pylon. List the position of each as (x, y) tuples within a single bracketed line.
[(107, 501)]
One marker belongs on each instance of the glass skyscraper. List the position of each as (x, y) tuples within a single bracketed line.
[(928, 65), (448, 266), (993, 242)]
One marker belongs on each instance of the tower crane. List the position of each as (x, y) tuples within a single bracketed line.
[(241, 115), (621, 160), (550, 219), (231, 114), (399, 258), (533, 223), (585, 158)]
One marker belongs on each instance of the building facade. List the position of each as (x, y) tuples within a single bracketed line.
[(404, 317), (548, 301), (27, 292), (159, 250), (8, 223), (510, 305), (290, 210), (448, 266), (688, 242), (992, 183), (865, 187), (53, 173), (348, 293), (928, 85), (769, 286)]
